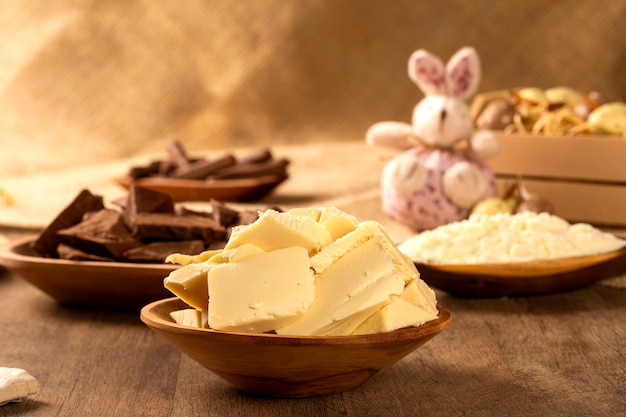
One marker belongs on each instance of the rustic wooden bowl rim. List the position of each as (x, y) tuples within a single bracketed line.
[(19, 252), (208, 184), (153, 315)]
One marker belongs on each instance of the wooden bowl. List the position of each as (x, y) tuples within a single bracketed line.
[(244, 189), (289, 366), (102, 285), (523, 278)]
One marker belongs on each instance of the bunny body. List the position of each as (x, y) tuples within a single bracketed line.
[(441, 173)]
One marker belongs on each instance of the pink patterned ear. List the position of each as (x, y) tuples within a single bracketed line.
[(463, 73), (427, 71)]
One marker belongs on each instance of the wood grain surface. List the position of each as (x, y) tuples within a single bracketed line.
[(560, 354), (547, 355)]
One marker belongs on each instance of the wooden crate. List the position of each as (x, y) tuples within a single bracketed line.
[(584, 177)]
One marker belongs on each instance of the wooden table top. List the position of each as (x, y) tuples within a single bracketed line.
[(559, 354), (549, 355)]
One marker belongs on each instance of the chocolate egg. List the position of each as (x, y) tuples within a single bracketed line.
[(532, 95), (496, 115), (609, 118), (562, 95)]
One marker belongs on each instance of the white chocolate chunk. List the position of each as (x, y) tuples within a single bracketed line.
[(261, 292), (337, 222), (420, 294), (332, 252), (348, 325), (360, 278), (236, 254), (182, 259), (396, 314), (312, 212), (402, 262), (366, 230), (16, 384), (274, 230), (190, 317), (189, 283), (307, 271)]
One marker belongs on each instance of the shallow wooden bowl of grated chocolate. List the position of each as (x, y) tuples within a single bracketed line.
[(289, 366)]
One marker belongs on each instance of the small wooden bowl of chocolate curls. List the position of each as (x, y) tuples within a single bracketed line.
[(227, 177)]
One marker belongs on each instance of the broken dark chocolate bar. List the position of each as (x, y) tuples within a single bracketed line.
[(85, 201), (146, 227), (144, 200), (103, 233)]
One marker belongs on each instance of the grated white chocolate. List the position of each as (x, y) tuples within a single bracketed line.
[(500, 238)]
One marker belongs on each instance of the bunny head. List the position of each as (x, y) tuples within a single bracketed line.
[(442, 117)]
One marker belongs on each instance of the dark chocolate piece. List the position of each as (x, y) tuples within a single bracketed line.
[(153, 168), (165, 168), (220, 212), (247, 217), (73, 254), (145, 200), (158, 251), (255, 157), (271, 167), (163, 226), (201, 169), (47, 242), (217, 244), (103, 233), (224, 215), (177, 153)]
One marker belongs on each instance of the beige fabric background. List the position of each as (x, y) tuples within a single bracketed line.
[(89, 81)]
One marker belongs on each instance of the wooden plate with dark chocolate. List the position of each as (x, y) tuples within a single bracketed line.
[(523, 278), (240, 189), (90, 284)]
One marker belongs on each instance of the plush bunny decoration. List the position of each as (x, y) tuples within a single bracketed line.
[(441, 174)]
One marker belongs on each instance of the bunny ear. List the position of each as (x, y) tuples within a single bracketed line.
[(463, 73), (427, 71)]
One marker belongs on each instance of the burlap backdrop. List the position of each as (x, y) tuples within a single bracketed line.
[(87, 81)]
